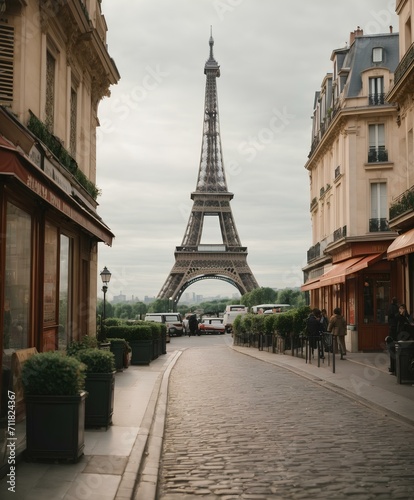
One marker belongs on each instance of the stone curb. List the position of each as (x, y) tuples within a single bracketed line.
[(154, 422)]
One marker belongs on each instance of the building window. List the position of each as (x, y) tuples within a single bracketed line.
[(376, 91), (377, 151), (379, 208), (50, 91), (73, 120), (6, 63), (377, 54)]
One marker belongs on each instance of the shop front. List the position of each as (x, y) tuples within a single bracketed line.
[(48, 267)]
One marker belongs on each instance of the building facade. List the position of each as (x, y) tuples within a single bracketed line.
[(54, 70), (355, 173), (401, 251)]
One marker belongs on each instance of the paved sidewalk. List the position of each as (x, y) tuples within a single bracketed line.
[(109, 468), (132, 446)]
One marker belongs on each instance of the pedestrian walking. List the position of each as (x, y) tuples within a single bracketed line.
[(337, 325)]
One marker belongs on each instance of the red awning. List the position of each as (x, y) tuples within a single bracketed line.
[(363, 263), (338, 272), (310, 285), (402, 245)]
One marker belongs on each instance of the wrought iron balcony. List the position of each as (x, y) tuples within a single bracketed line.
[(378, 225), (339, 233), (314, 252), (378, 154), (404, 64), (402, 204), (376, 99)]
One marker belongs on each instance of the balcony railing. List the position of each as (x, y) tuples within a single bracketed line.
[(378, 225), (314, 252), (404, 64), (377, 154), (339, 233), (404, 203), (376, 99)]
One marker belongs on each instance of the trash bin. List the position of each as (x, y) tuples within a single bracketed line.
[(404, 350)]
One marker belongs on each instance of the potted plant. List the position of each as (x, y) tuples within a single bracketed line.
[(99, 384), (140, 340), (121, 351), (54, 392)]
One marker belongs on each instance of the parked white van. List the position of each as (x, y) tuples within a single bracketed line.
[(230, 314), (172, 321)]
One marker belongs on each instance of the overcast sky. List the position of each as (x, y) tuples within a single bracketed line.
[(273, 56)]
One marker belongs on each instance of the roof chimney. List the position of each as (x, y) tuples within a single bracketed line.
[(353, 35)]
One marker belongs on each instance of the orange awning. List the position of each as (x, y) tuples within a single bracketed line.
[(310, 285), (363, 263), (402, 245), (338, 272)]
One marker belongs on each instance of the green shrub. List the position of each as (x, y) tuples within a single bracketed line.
[(97, 360), (139, 331), (85, 343), (127, 347), (53, 373)]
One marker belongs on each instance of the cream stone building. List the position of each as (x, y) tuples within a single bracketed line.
[(54, 70), (401, 251), (355, 173)]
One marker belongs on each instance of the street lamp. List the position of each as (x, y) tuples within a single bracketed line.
[(106, 278), (170, 304)]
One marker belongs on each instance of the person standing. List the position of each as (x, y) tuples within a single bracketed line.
[(192, 325), (337, 325), (314, 329), (324, 320), (393, 313)]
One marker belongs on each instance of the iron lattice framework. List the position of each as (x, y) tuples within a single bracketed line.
[(194, 261)]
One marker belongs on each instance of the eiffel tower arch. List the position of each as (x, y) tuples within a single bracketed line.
[(194, 261)]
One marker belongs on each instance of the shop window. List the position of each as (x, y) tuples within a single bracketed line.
[(376, 299), (65, 267), (17, 279)]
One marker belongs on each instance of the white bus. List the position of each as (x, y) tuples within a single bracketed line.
[(271, 308)]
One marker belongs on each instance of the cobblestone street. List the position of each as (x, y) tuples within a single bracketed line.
[(238, 427)]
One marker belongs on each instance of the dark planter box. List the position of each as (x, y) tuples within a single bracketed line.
[(55, 427), (99, 405), (155, 348), (163, 344), (121, 355), (404, 350), (141, 352)]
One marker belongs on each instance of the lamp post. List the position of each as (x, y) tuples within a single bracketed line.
[(170, 304), (106, 278)]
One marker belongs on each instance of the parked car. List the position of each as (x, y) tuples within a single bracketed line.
[(172, 321), (212, 325)]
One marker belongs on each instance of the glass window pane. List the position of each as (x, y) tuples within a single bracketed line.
[(64, 296), (50, 276), (17, 278)]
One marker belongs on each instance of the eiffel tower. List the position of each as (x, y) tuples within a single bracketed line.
[(193, 260)]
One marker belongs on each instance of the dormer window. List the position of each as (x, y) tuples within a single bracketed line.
[(377, 54)]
